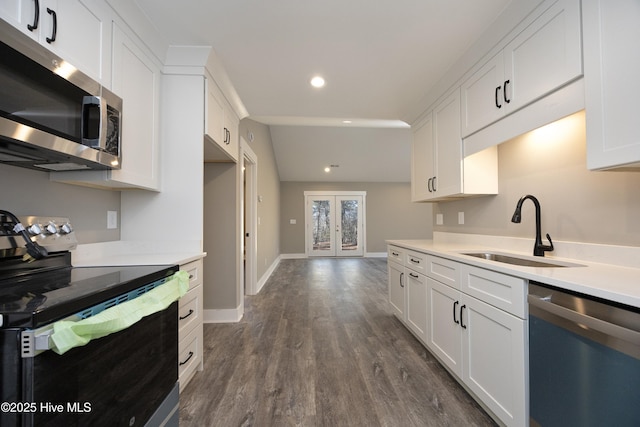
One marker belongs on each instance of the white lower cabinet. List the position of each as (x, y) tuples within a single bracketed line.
[(190, 331), (408, 289), (493, 359), (416, 289), (396, 289), (480, 342)]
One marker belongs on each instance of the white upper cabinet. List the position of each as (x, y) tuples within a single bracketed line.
[(221, 142), (543, 56), (612, 87), (422, 160), (136, 79), (438, 169), (448, 143), (72, 29)]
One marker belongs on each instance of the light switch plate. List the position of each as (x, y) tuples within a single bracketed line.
[(112, 220)]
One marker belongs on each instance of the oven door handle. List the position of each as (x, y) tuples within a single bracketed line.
[(589, 322)]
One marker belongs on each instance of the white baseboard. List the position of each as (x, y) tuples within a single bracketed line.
[(375, 255), (223, 315), (267, 274), (293, 256), (366, 255)]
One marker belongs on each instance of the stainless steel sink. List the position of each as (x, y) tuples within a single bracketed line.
[(521, 261)]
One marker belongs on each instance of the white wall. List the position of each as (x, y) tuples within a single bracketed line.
[(176, 213)]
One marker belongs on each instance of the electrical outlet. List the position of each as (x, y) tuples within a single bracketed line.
[(439, 219), (292, 221), (460, 218), (112, 220)]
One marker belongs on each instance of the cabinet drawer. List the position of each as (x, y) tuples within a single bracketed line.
[(444, 271), (194, 268), (416, 261), (500, 290), (189, 355), (190, 311), (395, 253)]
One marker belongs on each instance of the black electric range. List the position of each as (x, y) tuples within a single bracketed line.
[(128, 377), (34, 292)]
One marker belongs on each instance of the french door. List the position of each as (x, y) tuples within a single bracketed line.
[(334, 223)]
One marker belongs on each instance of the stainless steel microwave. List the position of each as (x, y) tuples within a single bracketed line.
[(52, 116)]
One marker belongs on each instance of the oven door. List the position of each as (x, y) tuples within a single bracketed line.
[(117, 380)]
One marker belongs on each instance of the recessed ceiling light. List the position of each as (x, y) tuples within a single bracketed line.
[(317, 81), (327, 169)]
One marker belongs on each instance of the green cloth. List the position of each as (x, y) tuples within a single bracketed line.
[(68, 334)]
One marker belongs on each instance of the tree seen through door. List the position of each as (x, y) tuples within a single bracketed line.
[(322, 227)]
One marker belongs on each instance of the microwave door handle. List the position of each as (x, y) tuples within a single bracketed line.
[(92, 115)]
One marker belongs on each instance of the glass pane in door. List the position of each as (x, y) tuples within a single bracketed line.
[(349, 224), (321, 223)]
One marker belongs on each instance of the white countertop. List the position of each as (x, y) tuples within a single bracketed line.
[(119, 253), (608, 281)]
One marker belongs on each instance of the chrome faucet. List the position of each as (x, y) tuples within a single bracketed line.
[(539, 249)]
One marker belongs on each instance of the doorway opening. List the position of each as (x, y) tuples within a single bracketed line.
[(249, 186), (335, 223)]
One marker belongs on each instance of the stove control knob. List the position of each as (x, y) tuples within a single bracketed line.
[(35, 229), (66, 228), (51, 228)]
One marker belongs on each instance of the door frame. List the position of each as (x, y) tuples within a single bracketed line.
[(249, 218), (307, 213)]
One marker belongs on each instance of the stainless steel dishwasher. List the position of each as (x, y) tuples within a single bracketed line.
[(584, 360)]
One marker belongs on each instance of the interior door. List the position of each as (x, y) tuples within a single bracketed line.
[(335, 225)]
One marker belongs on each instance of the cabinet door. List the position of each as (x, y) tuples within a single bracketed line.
[(137, 80), (422, 161), (396, 289), (612, 87), (215, 112), (448, 142), (222, 141), (545, 55), (444, 336), (78, 29), (417, 318), (231, 124), (78, 36), (20, 14), (482, 96), (494, 363)]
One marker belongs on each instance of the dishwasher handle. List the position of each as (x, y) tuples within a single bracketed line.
[(590, 322)]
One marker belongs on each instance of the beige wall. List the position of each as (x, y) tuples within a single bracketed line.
[(268, 190), (577, 204), (220, 240), (29, 192), (390, 213)]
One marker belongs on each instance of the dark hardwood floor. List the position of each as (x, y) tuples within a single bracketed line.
[(318, 347)]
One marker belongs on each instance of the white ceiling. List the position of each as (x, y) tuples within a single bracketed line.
[(378, 57)]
